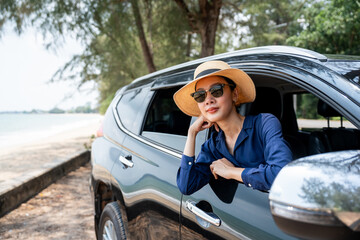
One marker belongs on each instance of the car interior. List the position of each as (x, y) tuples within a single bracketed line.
[(165, 117), (331, 139), (275, 96)]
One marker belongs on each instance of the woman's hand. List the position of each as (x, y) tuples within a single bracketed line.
[(226, 169), (201, 124)]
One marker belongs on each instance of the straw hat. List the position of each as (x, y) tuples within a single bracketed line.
[(244, 85)]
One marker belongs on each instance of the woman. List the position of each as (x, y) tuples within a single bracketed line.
[(248, 149)]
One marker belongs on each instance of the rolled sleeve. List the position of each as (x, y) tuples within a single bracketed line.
[(260, 149), (193, 175), (187, 162), (244, 177)]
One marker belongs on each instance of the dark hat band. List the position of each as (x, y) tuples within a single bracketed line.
[(206, 72)]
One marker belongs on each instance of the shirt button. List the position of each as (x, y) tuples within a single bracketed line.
[(190, 163), (249, 185)]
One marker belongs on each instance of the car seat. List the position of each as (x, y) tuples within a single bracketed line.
[(178, 123), (332, 139), (268, 100)]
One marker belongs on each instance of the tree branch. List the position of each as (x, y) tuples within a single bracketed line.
[(190, 16)]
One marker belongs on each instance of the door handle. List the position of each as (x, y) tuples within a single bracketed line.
[(207, 216), (126, 161)]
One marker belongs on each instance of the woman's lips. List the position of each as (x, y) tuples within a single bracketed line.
[(212, 110)]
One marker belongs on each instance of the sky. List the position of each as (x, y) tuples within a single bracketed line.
[(26, 68)]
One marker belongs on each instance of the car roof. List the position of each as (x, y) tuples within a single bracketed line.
[(338, 63)]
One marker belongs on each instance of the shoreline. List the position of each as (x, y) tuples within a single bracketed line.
[(81, 129), (20, 163)]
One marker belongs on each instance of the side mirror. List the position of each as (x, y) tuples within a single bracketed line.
[(318, 197)]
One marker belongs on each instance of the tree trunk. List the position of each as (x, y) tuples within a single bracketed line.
[(188, 46), (144, 45), (204, 22), (209, 13)]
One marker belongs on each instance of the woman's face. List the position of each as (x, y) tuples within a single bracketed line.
[(212, 108)]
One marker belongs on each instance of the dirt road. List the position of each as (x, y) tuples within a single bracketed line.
[(61, 211)]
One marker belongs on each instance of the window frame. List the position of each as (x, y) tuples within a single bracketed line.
[(139, 114), (159, 134), (146, 105)]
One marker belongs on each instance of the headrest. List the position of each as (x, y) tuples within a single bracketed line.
[(325, 110), (268, 100)]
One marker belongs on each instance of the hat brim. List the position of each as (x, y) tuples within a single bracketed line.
[(244, 85)]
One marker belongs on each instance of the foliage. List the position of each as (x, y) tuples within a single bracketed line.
[(338, 196), (56, 110), (83, 109), (306, 106), (114, 55), (269, 22), (332, 26)]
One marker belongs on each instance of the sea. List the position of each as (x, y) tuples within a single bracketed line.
[(18, 129)]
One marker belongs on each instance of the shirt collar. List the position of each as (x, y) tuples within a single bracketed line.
[(248, 122), (220, 138)]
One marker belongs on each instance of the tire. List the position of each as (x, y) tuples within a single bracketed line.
[(111, 225)]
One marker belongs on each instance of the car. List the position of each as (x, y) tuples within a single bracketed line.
[(136, 157)]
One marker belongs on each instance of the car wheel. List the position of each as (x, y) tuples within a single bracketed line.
[(111, 223)]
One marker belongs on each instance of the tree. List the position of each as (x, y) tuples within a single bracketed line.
[(144, 45), (203, 19), (126, 39), (56, 110), (270, 22), (117, 41), (307, 106), (331, 26)]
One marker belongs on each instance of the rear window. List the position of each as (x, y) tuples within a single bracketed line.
[(128, 108), (164, 122)]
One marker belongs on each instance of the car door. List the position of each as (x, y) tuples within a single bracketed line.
[(236, 211), (228, 209), (146, 172)]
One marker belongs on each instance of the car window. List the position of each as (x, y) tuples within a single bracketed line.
[(164, 122), (310, 119), (304, 119), (128, 108), (327, 129)]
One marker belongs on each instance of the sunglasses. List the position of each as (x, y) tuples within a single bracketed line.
[(216, 91)]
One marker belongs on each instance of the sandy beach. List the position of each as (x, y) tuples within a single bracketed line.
[(63, 210), (17, 163)]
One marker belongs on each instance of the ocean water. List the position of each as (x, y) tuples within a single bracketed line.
[(17, 129)]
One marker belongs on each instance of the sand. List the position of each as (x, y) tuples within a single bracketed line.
[(64, 210), (21, 162)]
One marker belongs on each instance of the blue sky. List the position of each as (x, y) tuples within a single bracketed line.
[(26, 68)]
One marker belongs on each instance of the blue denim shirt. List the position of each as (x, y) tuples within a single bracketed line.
[(259, 148)]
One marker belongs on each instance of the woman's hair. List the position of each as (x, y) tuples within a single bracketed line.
[(231, 83), (232, 86)]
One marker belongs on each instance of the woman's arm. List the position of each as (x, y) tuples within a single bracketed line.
[(189, 149), (276, 155), (226, 169), (191, 177), (199, 125)]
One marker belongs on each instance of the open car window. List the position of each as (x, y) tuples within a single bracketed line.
[(309, 124), (327, 129)]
